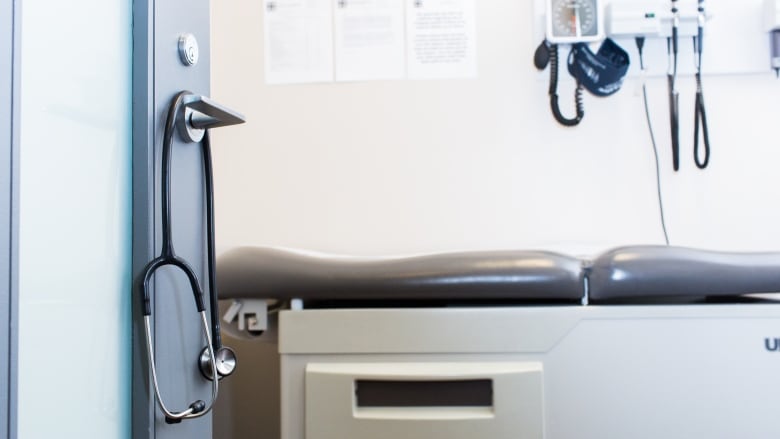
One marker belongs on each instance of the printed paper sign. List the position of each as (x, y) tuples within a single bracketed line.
[(441, 39), (369, 39), (298, 41)]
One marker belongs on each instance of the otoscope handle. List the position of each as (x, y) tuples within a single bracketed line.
[(674, 106), (700, 41)]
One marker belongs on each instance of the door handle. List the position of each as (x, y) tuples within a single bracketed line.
[(200, 113)]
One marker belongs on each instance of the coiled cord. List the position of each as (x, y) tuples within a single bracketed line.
[(700, 123), (556, 110)]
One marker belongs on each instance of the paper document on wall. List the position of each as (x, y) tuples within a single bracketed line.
[(298, 41), (441, 39), (369, 39)]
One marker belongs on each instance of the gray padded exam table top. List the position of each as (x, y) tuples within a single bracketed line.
[(623, 273), (256, 272), (650, 271)]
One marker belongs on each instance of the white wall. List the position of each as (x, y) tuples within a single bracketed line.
[(405, 167)]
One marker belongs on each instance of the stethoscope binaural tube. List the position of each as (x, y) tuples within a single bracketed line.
[(168, 258), (197, 408)]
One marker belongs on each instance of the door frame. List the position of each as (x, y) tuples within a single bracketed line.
[(10, 22), (142, 404), (158, 75)]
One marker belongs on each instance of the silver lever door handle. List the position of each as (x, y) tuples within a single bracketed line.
[(200, 113)]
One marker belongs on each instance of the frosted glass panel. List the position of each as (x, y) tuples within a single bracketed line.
[(75, 228)]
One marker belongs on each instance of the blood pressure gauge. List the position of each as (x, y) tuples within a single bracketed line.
[(574, 21)]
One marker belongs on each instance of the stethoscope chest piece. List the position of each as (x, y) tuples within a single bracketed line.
[(226, 362)]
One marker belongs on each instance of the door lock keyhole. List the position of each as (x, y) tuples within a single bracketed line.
[(188, 49)]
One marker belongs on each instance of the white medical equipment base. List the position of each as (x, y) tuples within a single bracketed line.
[(702, 371)]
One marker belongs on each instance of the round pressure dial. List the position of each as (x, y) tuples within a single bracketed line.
[(573, 21)]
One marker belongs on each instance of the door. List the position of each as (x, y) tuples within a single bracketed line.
[(95, 80), (159, 73)]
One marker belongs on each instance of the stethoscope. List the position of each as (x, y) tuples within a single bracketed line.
[(226, 361)]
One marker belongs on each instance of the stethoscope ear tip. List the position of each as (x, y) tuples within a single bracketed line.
[(198, 406)]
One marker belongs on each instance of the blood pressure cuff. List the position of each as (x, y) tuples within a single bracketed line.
[(600, 73)]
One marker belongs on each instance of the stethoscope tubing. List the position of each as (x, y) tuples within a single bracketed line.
[(208, 175), (184, 267)]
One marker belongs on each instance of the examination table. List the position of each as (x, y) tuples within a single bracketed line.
[(639, 342)]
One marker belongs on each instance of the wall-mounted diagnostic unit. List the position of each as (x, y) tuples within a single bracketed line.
[(650, 18), (579, 22)]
